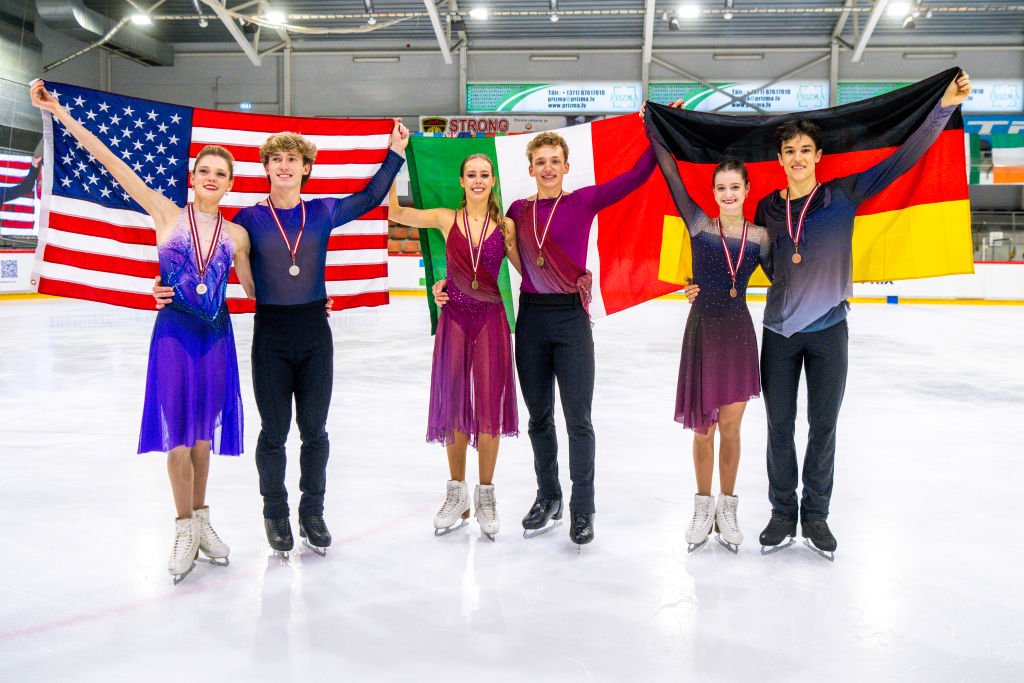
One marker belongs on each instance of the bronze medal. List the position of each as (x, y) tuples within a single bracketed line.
[(540, 261), (732, 292), (795, 234), (476, 285), (797, 258), (539, 238)]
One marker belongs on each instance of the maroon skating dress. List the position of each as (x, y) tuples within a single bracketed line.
[(472, 383)]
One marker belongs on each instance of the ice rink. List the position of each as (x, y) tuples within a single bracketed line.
[(927, 507)]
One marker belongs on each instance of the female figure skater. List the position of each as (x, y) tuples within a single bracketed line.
[(472, 388), (192, 400), (718, 369)]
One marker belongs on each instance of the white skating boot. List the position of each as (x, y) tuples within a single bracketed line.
[(209, 542), (703, 520), (186, 548), (486, 509), (726, 524), (455, 509)]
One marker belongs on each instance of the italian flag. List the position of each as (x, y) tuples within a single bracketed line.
[(1007, 158), (625, 239)]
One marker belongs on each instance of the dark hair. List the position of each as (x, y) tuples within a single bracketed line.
[(792, 129), (731, 164)]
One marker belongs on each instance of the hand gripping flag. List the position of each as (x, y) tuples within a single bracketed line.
[(919, 226), (96, 242)]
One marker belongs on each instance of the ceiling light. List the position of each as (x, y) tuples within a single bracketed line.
[(554, 58), (554, 17), (688, 11), (371, 20), (478, 13), (276, 17), (898, 9), (908, 21), (673, 24), (141, 19), (737, 56), (929, 55), (727, 15), (375, 60)]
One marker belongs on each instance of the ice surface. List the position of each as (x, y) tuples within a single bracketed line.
[(926, 508)]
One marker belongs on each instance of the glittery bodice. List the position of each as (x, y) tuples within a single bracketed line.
[(179, 269)]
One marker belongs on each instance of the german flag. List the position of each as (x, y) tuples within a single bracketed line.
[(919, 226)]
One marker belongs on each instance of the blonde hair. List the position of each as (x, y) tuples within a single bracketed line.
[(547, 139), (216, 151), (493, 199), (289, 142)]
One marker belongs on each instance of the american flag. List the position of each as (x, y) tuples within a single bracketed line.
[(96, 243), (17, 216)]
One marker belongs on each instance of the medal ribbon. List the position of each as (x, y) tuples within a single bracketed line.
[(800, 222), (203, 262), (733, 269), (539, 239), (277, 221), (474, 254)]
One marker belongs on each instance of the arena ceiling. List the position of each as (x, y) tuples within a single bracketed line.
[(568, 24)]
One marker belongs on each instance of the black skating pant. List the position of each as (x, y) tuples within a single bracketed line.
[(824, 356), (292, 355), (554, 342)]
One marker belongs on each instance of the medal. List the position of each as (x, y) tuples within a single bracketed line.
[(294, 270), (733, 269), (539, 239), (799, 224), (203, 262), (474, 253)]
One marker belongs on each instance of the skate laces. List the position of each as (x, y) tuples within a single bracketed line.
[(487, 506), (183, 540), (700, 515), (451, 502), (207, 534)]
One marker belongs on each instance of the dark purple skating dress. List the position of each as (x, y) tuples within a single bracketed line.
[(192, 388), (718, 365), (472, 384)]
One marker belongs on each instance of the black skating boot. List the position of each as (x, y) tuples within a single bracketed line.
[(313, 529), (541, 512), (817, 532), (779, 528), (582, 530), (279, 534)]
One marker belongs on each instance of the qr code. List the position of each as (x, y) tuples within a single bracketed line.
[(8, 268)]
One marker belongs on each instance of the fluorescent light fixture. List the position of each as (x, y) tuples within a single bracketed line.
[(688, 11), (141, 19), (929, 55), (898, 9), (276, 17), (554, 58), (479, 13), (737, 56), (375, 60)]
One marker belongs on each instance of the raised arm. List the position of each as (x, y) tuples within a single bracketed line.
[(691, 213), (439, 218), (357, 204), (864, 185), (24, 185), (163, 211), (607, 193)]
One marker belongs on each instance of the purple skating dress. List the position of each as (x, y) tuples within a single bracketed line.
[(718, 365), (472, 385), (192, 389)]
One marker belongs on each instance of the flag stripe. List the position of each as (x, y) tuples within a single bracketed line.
[(250, 154), (354, 171), (104, 295), (100, 262), (271, 123)]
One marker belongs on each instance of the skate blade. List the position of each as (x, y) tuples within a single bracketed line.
[(533, 533), (178, 578), (215, 561), (489, 537), (282, 554), (694, 547), (829, 555), (447, 530), (771, 549), (322, 552), (731, 547)]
